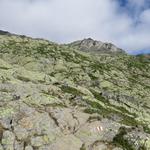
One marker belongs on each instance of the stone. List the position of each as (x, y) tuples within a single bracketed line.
[(8, 140), (37, 141), (21, 133), (28, 148), (4, 65), (68, 142)]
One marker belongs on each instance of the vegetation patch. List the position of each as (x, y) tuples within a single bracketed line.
[(121, 141), (71, 90)]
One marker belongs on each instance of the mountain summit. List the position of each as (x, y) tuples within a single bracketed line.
[(65, 97), (91, 45)]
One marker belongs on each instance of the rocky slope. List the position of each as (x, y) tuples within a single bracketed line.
[(65, 97)]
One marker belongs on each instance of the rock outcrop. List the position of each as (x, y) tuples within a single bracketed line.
[(91, 45)]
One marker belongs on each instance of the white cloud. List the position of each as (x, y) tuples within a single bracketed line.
[(145, 17), (137, 3), (68, 20)]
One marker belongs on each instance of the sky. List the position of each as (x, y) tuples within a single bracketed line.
[(125, 23)]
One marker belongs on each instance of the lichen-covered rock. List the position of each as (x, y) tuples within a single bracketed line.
[(55, 97), (6, 112), (1, 148), (69, 142), (4, 65), (8, 140), (132, 138), (27, 76), (103, 130), (38, 141), (28, 148), (147, 144), (21, 133)]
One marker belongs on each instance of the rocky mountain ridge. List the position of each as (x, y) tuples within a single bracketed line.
[(63, 97), (90, 45)]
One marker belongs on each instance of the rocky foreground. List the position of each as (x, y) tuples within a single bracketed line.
[(86, 95)]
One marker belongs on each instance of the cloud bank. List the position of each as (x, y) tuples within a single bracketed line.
[(125, 23)]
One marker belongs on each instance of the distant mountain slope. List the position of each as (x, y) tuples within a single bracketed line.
[(4, 32), (63, 97), (144, 56)]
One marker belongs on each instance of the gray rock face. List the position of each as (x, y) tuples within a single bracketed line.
[(91, 45), (68, 142)]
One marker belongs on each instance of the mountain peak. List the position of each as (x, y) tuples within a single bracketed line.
[(91, 45)]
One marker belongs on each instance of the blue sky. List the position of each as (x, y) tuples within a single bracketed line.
[(123, 2), (126, 23)]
